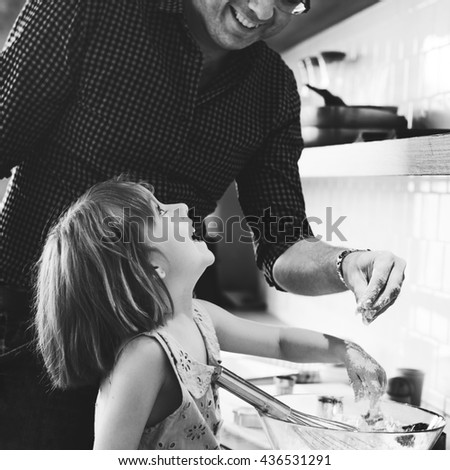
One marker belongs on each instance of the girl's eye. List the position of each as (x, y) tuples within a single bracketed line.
[(160, 210)]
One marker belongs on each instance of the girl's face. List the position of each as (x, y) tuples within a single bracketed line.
[(171, 235)]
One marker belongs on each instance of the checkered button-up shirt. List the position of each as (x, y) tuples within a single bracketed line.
[(94, 88)]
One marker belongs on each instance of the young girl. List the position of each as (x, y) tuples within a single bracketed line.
[(115, 308)]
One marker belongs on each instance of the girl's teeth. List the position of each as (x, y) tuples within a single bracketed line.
[(244, 21)]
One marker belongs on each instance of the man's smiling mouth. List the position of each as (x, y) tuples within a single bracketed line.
[(243, 21)]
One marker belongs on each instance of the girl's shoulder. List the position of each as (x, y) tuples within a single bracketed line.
[(134, 394), (142, 358)]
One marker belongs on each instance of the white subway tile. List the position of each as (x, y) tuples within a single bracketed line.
[(400, 49), (439, 328), (439, 185), (421, 353), (417, 215), (434, 266), (431, 397), (446, 270), (430, 215), (421, 257), (444, 218), (414, 78), (412, 259), (424, 185), (441, 21), (423, 321), (443, 371), (444, 59), (431, 71), (446, 409)]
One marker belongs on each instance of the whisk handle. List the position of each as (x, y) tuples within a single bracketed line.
[(252, 395)]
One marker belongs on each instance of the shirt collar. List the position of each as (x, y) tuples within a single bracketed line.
[(171, 6)]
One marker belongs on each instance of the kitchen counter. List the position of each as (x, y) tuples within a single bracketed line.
[(333, 381)]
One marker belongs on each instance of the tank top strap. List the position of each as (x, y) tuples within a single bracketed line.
[(166, 346), (206, 327), (195, 376)]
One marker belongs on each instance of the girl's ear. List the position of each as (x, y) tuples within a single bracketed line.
[(160, 271)]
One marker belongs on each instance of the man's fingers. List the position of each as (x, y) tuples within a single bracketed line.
[(387, 297), (359, 286), (392, 289), (382, 267)]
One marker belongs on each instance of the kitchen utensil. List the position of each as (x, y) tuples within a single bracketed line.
[(284, 384), (336, 123), (314, 69), (268, 405), (336, 114), (415, 378), (247, 417), (316, 136), (332, 100), (328, 97), (420, 428), (399, 389), (351, 117)]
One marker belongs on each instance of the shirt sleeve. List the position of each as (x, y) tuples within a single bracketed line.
[(38, 65), (270, 192)]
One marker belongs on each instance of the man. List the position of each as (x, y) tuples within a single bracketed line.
[(183, 94)]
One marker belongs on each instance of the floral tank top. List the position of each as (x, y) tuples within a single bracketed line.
[(195, 424)]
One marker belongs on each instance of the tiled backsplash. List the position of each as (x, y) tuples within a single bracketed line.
[(410, 217), (398, 54)]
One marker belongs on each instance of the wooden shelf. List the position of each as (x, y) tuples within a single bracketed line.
[(428, 155)]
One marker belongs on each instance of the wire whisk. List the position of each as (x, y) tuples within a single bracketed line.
[(269, 405)]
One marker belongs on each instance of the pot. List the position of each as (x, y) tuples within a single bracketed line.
[(337, 123), (351, 117), (316, 136)]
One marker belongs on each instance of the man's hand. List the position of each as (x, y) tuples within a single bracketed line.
[(309, 268), (376, 278)]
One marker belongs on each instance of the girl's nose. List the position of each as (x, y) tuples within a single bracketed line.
[(263, 9)]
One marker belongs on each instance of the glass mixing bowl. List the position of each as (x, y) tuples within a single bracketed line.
[(282, 435)]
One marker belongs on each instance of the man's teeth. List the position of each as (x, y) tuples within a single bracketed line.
[(244, 22)]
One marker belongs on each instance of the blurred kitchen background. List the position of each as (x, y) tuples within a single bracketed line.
[(396, 53)]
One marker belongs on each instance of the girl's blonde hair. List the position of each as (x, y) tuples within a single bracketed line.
[(96, 286)]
